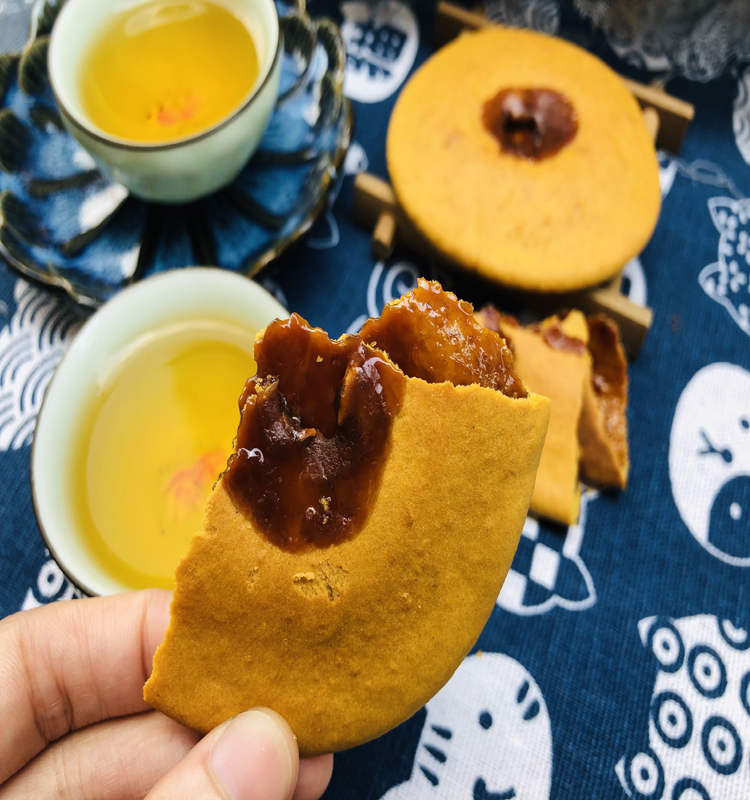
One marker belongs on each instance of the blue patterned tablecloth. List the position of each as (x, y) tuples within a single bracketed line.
[(616, 663)]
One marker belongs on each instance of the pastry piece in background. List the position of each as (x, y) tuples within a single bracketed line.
[(555, 364), (356, 544), (525, 158), (602, 431), (579, 364)]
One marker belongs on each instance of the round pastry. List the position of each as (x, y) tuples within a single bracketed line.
[(525, 158), (355, 547)]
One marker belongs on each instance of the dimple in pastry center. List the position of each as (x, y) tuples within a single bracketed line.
[(530, 123)]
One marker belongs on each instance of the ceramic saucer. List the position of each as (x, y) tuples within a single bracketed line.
[(63, 223)]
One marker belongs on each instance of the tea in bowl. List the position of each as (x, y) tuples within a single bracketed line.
[(138, 422), (171, 97)]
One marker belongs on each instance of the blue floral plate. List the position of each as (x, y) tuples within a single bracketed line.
[(64, 224)]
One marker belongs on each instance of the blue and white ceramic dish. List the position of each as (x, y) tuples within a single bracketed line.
[(62, 223)]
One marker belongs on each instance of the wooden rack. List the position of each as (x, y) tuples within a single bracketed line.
[(376, 208)]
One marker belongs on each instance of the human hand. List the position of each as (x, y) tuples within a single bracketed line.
[(75, 725)]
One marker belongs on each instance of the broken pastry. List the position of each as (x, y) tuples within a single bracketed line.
[(558, 366), (602, 430), (579, 364), (355, 546)]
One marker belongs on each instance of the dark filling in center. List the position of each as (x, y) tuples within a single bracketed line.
[(432, 335), (557, 339), (316, 419), (530, 123), (610, 379)]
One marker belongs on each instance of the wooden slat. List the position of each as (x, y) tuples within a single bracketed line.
[(633, 320), (384, 235), (653, 123), (374, 197), (674, 115), (450, 20)]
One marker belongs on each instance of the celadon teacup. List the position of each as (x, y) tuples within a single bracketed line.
[(149, 308), (174, 171)]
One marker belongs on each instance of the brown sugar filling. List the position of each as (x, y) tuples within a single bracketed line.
[(551, 330), (315, 422), (609, 376), (557, 339), (316, 419), (530, 123), (432, 335), (489, 317)]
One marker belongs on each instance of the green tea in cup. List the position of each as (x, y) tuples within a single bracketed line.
[(168, 69)]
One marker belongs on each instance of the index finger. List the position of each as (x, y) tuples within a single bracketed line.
[(68, 665)]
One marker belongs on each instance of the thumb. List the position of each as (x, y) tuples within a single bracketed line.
[(251, 757)]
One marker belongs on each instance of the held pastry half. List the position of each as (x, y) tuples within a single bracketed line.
[(355, 547)]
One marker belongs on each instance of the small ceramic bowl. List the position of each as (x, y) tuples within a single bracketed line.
[(175, 171), (198, 294)]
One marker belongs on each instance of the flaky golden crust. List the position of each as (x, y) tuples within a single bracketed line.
[(603, 462), (602, 430), (561, 376), (559, 224), (347, 642)]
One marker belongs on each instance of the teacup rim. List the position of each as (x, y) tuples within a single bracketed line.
[(76, 581), (147, 147), (189, 274)]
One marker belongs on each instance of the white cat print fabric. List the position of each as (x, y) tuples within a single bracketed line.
[(634, 284), (709, 461), (697, 743), (741, 115), (487, 736), (727, 281), (385, 284), (51, 585), (548, 571), (381, 40)]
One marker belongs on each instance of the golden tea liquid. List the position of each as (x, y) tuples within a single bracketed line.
[(166, 70), (160, 433)]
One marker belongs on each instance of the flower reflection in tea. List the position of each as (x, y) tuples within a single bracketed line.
[(166, 70), (160, 433)]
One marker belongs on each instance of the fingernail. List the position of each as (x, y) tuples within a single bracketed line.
[(251, 759)]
